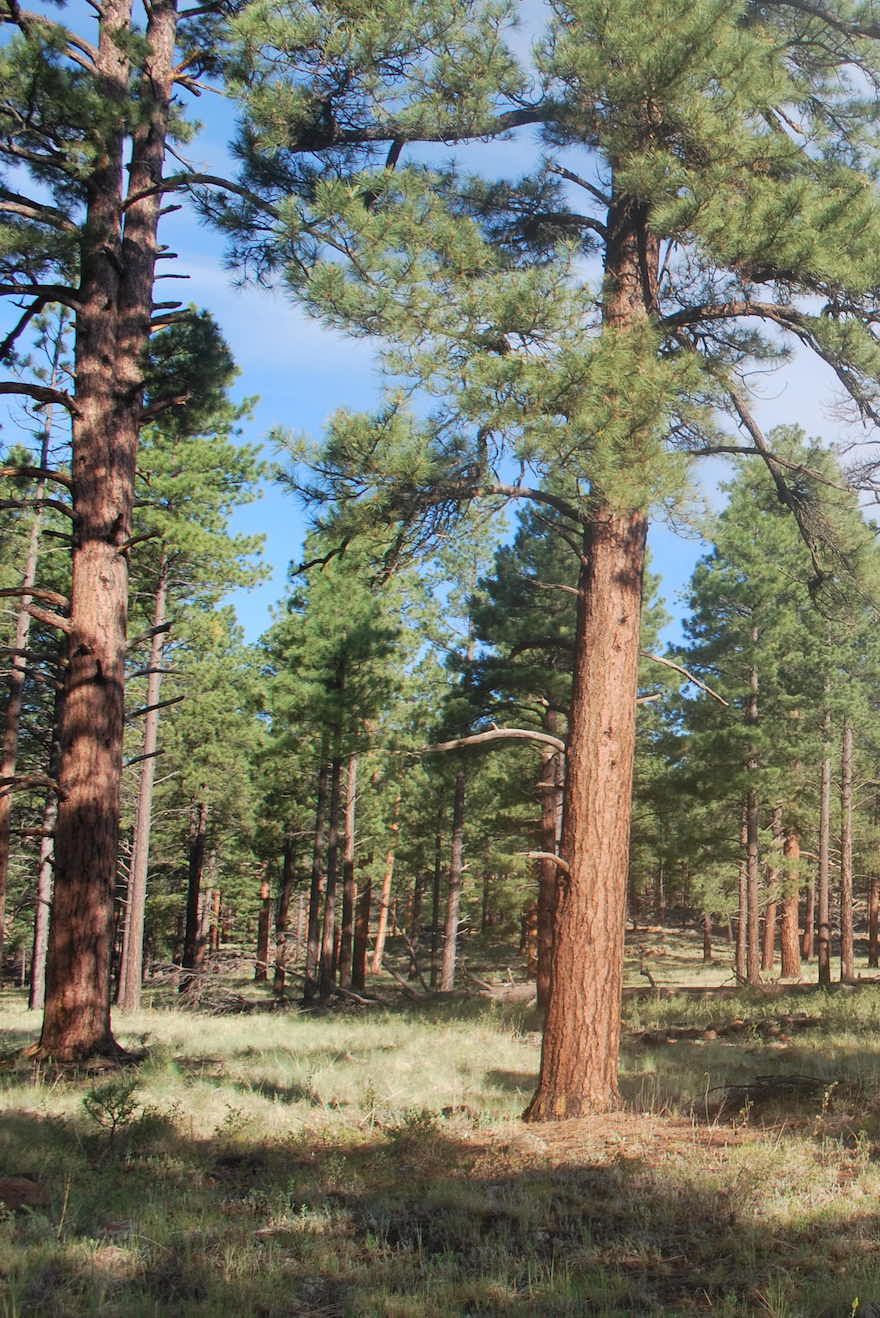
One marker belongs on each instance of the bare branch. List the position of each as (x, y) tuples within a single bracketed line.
[(495, 734), (160, 704), (38, 474), (37, 593), (667, 663), (49, 618), (42, 393), (548, 855), (56, 504)]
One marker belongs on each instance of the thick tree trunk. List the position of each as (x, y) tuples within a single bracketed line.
[(132, 963), (264, 931), (847, 951), (361, 937), (282, 919), (824, 893), (317, 887), (788, 934), (385, 896), (349, 887), (327, 964), (581, 1044), (117, 259), (193, 959), (453, 891)]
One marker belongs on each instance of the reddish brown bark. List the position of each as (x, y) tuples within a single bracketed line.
[(579, 1057), (117, 257), (768, 947), (788, 933)]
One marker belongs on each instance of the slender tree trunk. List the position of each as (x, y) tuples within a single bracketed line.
[(874, 921), (581, 1043), (485, 904), (216, 926), (415, 922), (752, 839), (361, 937), (318, 885), (788, 937), (18, 670), (824, 894), (435, 908), (282, 919), (552, 770), (349, 887), (115, 303), (707, 939), (193, 943), (847, 959), (742, 924), (768, 950), (385, 898), (45, 872), (132, 962), (453, 894), (327, 965), (808, 938), (660, 893), (264, 930)]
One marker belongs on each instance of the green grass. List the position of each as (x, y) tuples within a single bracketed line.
[(370, 1162)]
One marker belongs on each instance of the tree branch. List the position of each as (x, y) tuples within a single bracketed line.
[(38, 474), (496, 734), (42, 393), (49, 618), (667, 663), (548, 855), (37, 593)]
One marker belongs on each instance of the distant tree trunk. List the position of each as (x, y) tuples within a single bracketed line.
[(742, 924), (788, 937), (193, 942), (707, 938), (581, 1043), (415, 922), (318, 885), (282, 918), (660, 893), (752, 838), (264, 929), (435, 907), (808, 938), (131, 971), (361, 938), (847, 958), (529, 940), (18, 664), (327, 964), (768, 950), (385, 896), (45, 872), (349, 887), (485, 904), (552, 769), (824, 894), (453, 894), (874, 921), (216, 922)]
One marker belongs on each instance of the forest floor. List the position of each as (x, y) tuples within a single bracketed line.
[(369, 1161)]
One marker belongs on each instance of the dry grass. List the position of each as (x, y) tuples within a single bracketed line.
[(369, 1162)]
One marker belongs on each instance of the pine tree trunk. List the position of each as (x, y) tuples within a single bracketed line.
[(752, 840), (415, 923), (808, 937), (361, 938), (216, 927), (349, 887), (453, 893), (847, 951), (45, 872), (18, 671), (742, 923), (264, 931), (436, 878), (768, 949), (132, 962), (707, 939), (327, 964), (385, 898), (788, 934), (117, 257), (824, 893), (581, 1044), (193, 944), (282, 919), (317, 887), (874, 921), (552, 770), (485, 904)]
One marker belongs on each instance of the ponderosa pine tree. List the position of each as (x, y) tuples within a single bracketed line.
[(724, 187)]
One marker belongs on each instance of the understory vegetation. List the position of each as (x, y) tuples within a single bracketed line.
[(370, 1161)]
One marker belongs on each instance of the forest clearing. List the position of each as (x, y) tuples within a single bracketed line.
[(370, 1161)]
